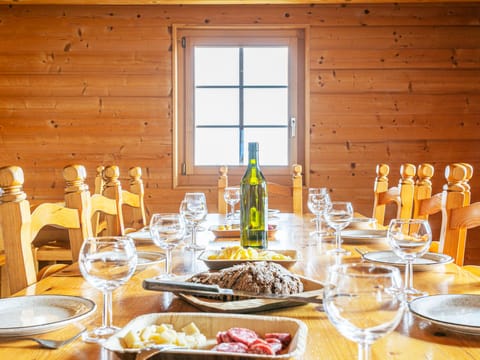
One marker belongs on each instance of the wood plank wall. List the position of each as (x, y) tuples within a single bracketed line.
[(92, 85)]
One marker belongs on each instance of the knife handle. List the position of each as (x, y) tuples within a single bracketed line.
[(177, 286)]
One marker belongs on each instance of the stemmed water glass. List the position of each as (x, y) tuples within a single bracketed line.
[(409, 239), (318, 202), (231, 195), (107, 263), (338, 216), (167, 231), (194, 210), (364, 302)]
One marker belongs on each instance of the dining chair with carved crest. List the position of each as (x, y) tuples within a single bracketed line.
[(19, 226)]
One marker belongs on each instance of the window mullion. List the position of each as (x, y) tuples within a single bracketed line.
[(241, 107)]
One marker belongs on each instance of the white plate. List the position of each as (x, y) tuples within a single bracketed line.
[(210, 325), (457, 312), (217, 264), (424, 263), (362, 236), (141, 236), (36, 314), (147, 258)]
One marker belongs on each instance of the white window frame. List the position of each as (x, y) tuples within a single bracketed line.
[(185, 174)]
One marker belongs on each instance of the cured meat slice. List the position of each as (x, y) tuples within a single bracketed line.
[(285, 338), (245, 336), (275, 344), (234, 347), (261, 348)]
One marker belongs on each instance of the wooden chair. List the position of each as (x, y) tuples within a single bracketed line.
[(294, 192), (99, 211), (19, 226), (400, 196), (457, 214), (131, 201)]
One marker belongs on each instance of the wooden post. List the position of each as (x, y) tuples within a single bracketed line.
[(77, 196), (297, 188), (136, 187), (380, 186), (113, 190), (452, 240), (406, 187), (222, 183), (15, 221)]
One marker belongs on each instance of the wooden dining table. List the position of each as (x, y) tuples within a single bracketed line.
[(414, 338)]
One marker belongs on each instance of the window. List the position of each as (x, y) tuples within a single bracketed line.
[(234, 86)]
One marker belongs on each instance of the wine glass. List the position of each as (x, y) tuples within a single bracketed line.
[(167, 231), (364, 302), (232, 196), (409, 239), (107, 263), (338, 216), (194, 210), (318, 202)]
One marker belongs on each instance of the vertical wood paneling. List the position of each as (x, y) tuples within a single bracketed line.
[(93, 85)]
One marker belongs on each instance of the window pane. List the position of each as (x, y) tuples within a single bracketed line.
[(266, 66), (273, 145), (216, 66), (216, 147), (266, 107), (216, 106)]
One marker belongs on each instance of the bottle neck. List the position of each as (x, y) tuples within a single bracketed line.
[(253, 155)]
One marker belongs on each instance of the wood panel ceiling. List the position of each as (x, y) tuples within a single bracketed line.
[(219, 2)]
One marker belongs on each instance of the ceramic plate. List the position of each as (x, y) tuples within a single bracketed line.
[(457, 312), (223, 263), (426, 262), (221, 231), (210, 325), (147, 258), (362, 236), (36, 314), (141, 236)]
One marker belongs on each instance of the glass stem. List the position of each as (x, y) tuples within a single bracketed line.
[(194, 234), (107, 309), (168, 261), (408, 275), (338, 243), (363, 351), (318, 224)]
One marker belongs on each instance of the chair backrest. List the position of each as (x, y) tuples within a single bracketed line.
[(104, 211), (424, 203), (400, 196), (19, 226), (293, 192), (457, 214), (133, 201)]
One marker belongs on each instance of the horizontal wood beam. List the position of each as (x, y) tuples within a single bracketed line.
[(222, 2)]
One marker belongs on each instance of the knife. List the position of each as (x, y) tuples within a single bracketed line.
[(214, 290)]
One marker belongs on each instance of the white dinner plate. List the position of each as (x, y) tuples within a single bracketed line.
[(36, 314), (425, 263), (458, 312), (147, 258), (141, 236), (355, 236)]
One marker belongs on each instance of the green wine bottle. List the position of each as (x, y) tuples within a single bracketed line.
[(253, 204)]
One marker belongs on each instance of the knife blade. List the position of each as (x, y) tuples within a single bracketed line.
[(214, 290)]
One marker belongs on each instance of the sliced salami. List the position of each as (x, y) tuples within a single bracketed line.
[(261, 348), (275, 344), (234, 347), (222, 336), (285, 338), (245, 336)]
